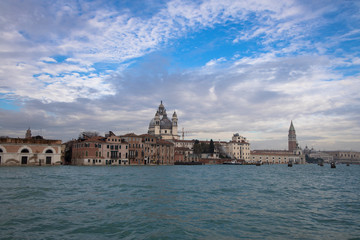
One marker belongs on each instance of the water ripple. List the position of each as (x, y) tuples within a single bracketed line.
[(180, 202)]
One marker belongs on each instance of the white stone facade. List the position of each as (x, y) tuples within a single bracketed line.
[(162, 127), (238, 148), (29, 152)]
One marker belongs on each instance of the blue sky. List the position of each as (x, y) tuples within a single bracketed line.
[(225, 67)]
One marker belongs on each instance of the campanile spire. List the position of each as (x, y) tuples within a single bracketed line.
[(292, 138)]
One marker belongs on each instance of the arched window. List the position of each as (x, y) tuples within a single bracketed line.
[(1, 150), (25, 150), (49, 151)]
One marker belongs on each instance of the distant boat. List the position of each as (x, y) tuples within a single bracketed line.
[(348, 164), (290, 164), (333, 165), (258, 164), (234, 162)]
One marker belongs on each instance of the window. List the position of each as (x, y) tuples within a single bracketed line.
[(49, 151), (48, 160), (25, 150)]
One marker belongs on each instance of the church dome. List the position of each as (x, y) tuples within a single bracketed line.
[(152, 123), (165, 123)]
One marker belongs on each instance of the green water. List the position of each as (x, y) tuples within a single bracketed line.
[(180, 202)]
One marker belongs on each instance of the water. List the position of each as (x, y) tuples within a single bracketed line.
[(180, 202)]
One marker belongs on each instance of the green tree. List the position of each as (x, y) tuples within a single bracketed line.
[(211, 147)]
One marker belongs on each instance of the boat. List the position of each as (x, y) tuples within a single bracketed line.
[(333, 165), (348, 164), (290, 164), (258, 164), (234, 162)]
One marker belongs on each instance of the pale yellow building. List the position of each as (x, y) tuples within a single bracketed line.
[(238, 148)]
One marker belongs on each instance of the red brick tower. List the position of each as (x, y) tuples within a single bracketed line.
[(292, 138)]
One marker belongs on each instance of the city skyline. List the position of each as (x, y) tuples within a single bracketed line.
[(225, 67)]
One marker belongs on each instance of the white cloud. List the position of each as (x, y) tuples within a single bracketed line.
[(258, 94), (48, 59)]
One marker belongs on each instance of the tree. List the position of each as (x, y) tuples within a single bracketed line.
[(197, 147), (88, 134), (211, 147)]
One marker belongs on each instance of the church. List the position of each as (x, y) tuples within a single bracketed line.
[(162, 127)]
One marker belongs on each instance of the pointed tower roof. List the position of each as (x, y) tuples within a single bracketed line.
[(291, 127)]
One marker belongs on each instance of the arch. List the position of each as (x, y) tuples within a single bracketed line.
[(49, 150), (2, 149), (25, 149), (12, 161)]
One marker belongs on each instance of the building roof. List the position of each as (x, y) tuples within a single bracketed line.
[(291, 127), (130, 135)]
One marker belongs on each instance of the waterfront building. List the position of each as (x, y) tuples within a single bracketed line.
[(314, 155), (183, 150), (165, 152), (149, 148), (275, 157), (157, 151), (97, 150), (238, 148), (182, 154), (162, 127), (184, 143), (293, 155), (346, 157), (136, 153), (29, 151)]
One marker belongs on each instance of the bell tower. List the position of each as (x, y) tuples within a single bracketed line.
[(292, 144), (157, 124), (174, 125)]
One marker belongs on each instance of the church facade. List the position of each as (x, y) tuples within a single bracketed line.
[(162, 127)]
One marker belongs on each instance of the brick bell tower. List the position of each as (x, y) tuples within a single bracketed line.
[(292, 138)]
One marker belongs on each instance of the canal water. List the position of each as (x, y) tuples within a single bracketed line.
[(180, 202)]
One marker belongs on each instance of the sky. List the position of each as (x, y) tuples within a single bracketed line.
[(248, 67)]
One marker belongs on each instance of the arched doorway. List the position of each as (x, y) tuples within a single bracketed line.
[(24, 159), (48, 158)]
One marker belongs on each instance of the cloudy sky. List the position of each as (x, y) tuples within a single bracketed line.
[(247, 67)]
